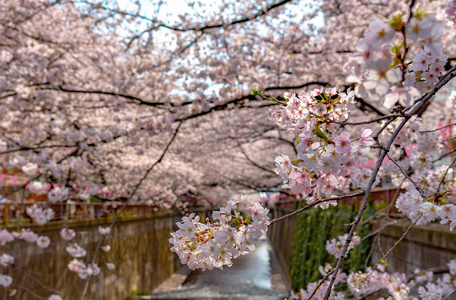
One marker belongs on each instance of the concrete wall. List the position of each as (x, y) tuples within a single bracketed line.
[(139, 249)]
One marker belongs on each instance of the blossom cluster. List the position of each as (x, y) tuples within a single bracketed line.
[(67, 234), (76, 251), (379, 67), (318, 291), (430, 191), (6, 260), (437, 199), (214, 245), (327, 154), (84, 271), (334, 247), (361, 284), (39, 215), (26, 235)]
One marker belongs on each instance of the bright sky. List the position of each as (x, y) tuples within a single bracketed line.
[(173, 8)]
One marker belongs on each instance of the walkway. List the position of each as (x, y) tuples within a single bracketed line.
[(255, 276)]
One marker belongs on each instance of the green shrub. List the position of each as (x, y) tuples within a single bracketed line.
[(312, 229)]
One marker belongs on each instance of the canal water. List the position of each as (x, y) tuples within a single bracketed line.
[(253, 276)]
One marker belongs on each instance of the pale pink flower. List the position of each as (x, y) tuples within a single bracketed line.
[(76, 265), (430, 78), (343, 143), (67, 234), (28, 235), (451, 101), (104, 230), (405, 95), (433, 41), (58, 194), (43, 241), (6, 260), (5, 237), (360, 89), (365, 140), (410, 79), (418, 28), (452, 267), (381, 76), (234, 201), (5, 56), (334, 247), (106, 248), (329, 184), (36, 187), (30, 169), (429, 210), (5, 280), (91, 270), (76, 251), (421, 62), (436, 68), (283, 164), (380, 33)]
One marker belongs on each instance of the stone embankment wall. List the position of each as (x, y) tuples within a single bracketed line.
[(427, 247), (139, 249), (430, 246), (281, 235)]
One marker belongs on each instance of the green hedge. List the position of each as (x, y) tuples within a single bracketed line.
[(312, 229)]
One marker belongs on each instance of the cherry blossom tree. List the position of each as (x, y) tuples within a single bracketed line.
[(124, 102)]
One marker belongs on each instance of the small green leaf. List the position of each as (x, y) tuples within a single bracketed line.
[(325, 95), (317, 131), (397, 48), (395, 62), (274, 99), (256, 92), (396, 22), (419, 14)]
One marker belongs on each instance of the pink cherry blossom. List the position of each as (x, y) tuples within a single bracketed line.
[(67, 234), (43, 241)]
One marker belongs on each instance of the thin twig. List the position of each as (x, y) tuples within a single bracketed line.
[(448, 296), (396, 243), (444, 175), (320, 283), (437, 129), (408, 177), (314, 204), (392, 116), (383, 225)]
